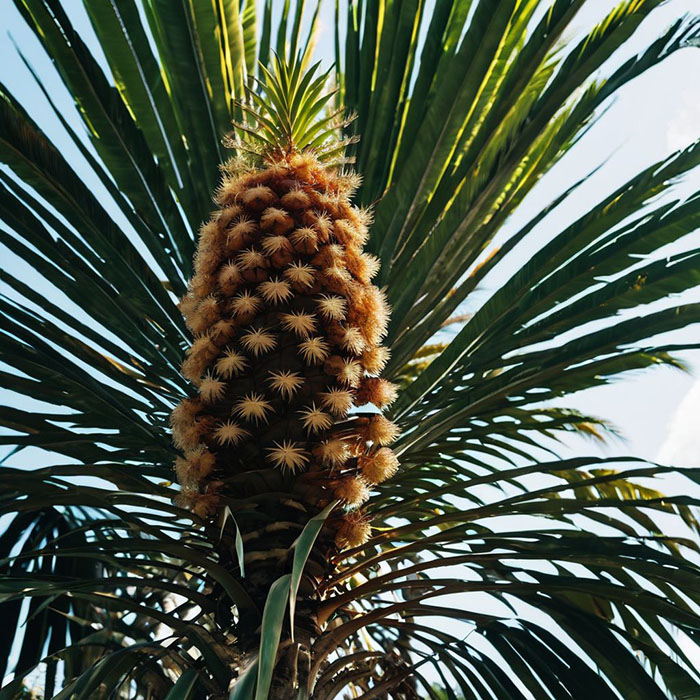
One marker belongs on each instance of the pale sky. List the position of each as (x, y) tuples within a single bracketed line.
[(658, 412)]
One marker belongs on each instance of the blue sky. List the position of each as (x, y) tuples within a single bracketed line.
[(657, 412)]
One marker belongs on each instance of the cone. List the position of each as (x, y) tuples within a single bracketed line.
[(287, 329)]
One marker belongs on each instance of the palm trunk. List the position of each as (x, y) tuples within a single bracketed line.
[(292, 667)]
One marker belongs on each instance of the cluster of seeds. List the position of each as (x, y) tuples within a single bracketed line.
[(287, 329)]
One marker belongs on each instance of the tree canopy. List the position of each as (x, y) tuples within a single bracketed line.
[(493, 570)]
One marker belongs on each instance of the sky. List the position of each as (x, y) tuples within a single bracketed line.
[(657, 412)]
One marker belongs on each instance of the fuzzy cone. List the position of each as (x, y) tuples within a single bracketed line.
[(287, 328)]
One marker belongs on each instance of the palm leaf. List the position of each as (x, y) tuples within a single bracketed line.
[(496, 565)]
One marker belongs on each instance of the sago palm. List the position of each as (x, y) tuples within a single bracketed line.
[(282, 416)]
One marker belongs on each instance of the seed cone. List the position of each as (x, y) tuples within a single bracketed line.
[(287, 329), (286, 352)]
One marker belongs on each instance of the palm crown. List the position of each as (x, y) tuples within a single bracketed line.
[(265, 574)]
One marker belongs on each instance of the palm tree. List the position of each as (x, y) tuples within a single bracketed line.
[(295, 558)]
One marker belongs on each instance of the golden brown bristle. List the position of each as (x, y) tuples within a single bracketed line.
[(378, 466), (353, 531)]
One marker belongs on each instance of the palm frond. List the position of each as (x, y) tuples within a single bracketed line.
[(496, 566)]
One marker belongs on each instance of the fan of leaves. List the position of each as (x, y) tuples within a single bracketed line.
[(494, 569)]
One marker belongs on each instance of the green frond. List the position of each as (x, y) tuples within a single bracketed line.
[(286, 114), (494, 563)]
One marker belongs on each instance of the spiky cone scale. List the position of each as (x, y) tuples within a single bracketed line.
[(287, 329)]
